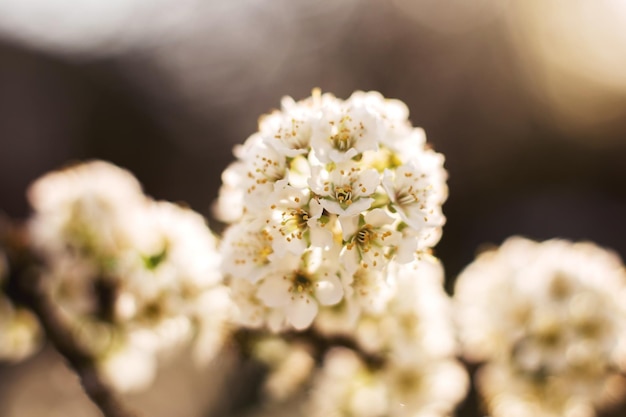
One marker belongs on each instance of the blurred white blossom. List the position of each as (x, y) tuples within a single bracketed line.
[(134, 277), (548, 318), (411, 344), (289, 364), (85, 211), (321, 199), (347, 386), (129, 368), (413, 313), (20, 334)]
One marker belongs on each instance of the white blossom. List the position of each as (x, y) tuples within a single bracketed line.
[(263, 167), (417, 317), (172, 275), (416, 193), (343, 131), (229, 207), (510, 393), (129, 368), (249, 309), (348, 386), (296, 222), (86, 209), (289, 131), (370, 289), (392, 115), (20, 333), (407, 365), (345, 190), (290, 366), (370, 240), (298, 293), (548, 318), (248, 251)]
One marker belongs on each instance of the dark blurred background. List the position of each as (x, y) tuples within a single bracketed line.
[(527, 100)]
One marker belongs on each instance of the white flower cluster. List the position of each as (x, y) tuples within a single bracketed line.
[(289, 365), (549, 321), (20, 333), (322, 199), (135, 277), (417, 375)]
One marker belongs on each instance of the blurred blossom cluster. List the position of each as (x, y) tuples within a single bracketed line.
[(548, 321), (322, 199), (19, 330), (134, 277), (408, 367)]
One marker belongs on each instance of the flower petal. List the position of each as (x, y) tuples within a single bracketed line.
[(301, 312), (378, 217), (368, 181), (274, 291), (321, 237), (329, 290), (349, 226)]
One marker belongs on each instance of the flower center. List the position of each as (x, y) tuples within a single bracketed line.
[(301, 284), (294, 222), (407, 196), (293, 136), (263, 253), (343, 139), (258, 249), (343, 195), (364, 236), (268, 170)]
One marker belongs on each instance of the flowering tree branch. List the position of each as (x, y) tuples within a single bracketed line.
[(325, 275), (25, 287)]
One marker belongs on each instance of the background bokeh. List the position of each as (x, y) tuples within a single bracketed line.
[(526, 99)]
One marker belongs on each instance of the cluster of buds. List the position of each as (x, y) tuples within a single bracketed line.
[(133, 277), (548, 320)]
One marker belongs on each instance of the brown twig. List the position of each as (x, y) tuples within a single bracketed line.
[(320, 344)]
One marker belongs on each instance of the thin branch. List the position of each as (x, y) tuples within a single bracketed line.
[(320, 344)]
